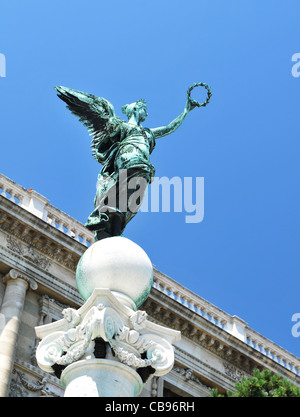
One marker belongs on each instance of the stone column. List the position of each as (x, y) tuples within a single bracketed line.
[(10, 317), (108, 348)]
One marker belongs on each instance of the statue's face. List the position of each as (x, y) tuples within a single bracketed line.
[(142, 114), (139, 112)]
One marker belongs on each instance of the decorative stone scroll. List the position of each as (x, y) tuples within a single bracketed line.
[(127, 335), (14, 274)]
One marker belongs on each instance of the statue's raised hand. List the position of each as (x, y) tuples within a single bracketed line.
[(192, 103)]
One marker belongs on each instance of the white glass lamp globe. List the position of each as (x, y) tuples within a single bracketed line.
[(118, 264)]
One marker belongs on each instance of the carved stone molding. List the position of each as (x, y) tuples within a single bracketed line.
[(18, 232), (200, 337), (233, 372), (188, 375), (30, 386), (17, 390), (197, 365), (28, 252), (22, 385)]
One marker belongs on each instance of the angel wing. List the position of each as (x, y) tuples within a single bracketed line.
[(97, 114)]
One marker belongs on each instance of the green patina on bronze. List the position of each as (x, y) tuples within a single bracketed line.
[(122, 148)]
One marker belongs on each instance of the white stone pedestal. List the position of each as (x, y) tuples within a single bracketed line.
[(108, 348), (96, 377)]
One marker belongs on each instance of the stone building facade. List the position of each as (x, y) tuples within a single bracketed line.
[(39, 250)]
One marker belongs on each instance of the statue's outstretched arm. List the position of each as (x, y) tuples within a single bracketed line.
[(159, 132), (190, 105)]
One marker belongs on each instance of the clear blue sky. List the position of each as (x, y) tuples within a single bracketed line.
[(244, 256)]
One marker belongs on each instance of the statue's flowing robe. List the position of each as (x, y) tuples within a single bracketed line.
[(124, 154)]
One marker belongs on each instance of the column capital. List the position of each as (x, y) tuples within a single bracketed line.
[(15, 274)]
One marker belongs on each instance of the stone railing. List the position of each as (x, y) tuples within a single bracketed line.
[(69, 226), (273, 351), (232, 324), (190, 300), (38, 205)]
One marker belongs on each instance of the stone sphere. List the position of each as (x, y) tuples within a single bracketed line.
[(118, 264)]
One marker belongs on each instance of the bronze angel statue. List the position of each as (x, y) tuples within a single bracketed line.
[(123, 149)]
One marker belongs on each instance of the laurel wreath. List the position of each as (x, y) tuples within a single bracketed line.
[(196, 103)]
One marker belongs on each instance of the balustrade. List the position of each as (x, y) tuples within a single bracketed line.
[(223, 320), (39, 206)]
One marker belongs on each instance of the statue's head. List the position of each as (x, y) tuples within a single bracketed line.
[(138, 109)]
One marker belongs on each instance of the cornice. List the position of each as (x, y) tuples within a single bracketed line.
[(34, 239), (47, 282), (29, 228), (210, 337)]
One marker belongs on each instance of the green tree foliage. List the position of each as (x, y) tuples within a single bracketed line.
[(262, 384)]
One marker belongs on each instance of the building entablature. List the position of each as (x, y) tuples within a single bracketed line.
[(37, 248), (224, 348)]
